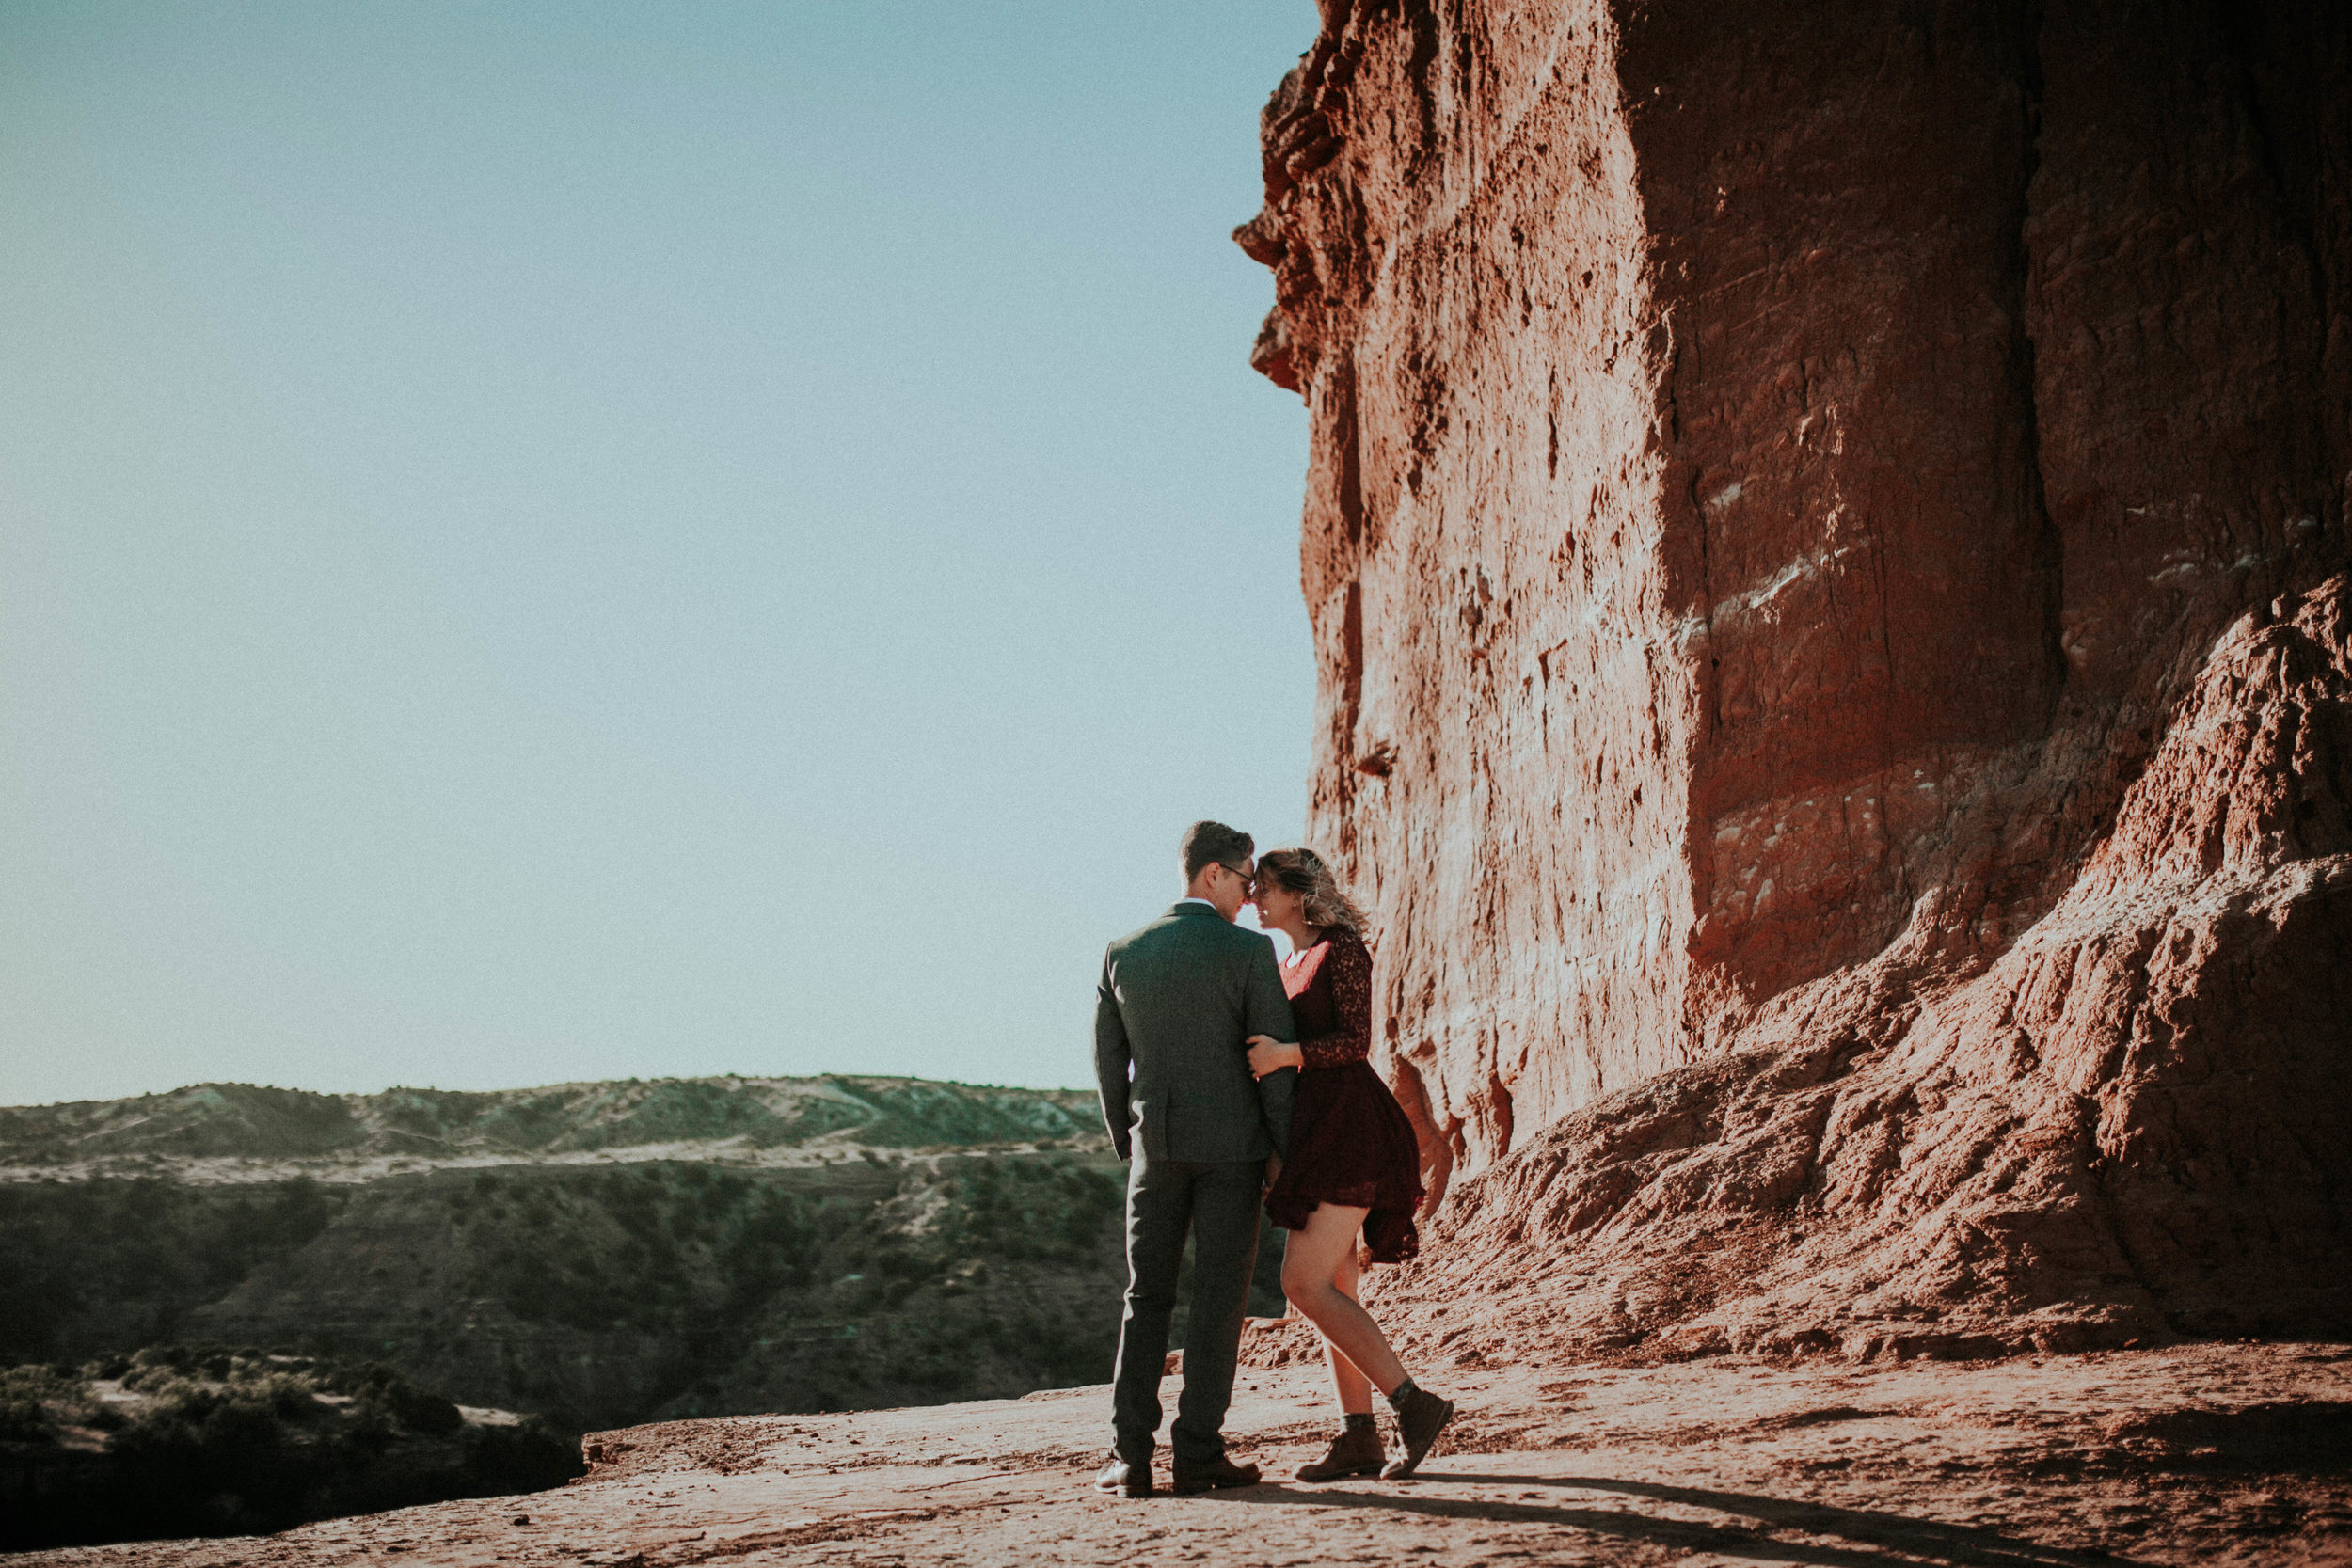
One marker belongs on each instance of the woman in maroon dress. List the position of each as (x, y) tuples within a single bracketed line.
[(1354, 1166)]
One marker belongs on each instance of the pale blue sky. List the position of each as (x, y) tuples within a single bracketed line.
[(551, 540)]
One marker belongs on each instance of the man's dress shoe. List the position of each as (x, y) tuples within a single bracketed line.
[(1128, 1480), (1215, 1475)]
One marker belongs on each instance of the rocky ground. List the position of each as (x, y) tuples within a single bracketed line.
[(2214, 1453)]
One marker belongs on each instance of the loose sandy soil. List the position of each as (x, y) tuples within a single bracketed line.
[(2222, 1453)]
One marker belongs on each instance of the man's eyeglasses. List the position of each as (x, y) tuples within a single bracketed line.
[(1248, 879)]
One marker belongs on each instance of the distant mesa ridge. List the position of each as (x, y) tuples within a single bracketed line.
[(251, 1122)]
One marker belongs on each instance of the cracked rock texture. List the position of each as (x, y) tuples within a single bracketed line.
[(1825, 538)]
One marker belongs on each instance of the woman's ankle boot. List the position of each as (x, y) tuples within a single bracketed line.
[(1420, 1416), (1355, 1452)]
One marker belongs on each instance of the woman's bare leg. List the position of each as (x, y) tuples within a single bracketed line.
[(1353, 1388), (1310, 1272)]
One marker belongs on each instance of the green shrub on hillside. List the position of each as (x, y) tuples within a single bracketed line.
[(636, 1247), (209, 1441), (91, 1264), (1036, 1211), (600, 1295)]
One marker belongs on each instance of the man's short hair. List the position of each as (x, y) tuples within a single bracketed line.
[(1207, 843)]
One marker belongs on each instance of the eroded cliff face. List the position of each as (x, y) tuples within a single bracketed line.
[(1822, 537)]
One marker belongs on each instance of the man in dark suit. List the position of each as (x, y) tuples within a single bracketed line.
[(1176, 1002)]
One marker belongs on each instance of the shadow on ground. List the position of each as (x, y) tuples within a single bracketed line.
[(1915, 1539)]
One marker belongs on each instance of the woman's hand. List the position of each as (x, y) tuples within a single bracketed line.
[(1269, 1054)]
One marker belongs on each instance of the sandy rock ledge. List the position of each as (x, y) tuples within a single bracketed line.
[(2230, 1454)]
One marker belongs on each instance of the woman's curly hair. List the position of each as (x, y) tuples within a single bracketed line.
[(1302, 871)]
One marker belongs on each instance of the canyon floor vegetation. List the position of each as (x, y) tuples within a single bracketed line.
[(588, 1256)]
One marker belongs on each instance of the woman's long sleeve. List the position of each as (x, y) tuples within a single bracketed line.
[(1348, 966)]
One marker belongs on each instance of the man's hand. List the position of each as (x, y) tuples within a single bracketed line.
[(1269, 1054), (1273, 1173)]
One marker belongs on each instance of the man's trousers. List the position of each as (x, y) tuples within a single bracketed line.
[(1217, 1202)]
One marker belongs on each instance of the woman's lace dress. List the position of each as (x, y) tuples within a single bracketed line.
[(1351, 1142)]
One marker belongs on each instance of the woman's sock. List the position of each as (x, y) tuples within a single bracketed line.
[(1402, 1391), (1359, 1419)]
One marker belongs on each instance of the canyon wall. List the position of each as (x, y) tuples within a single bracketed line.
[(1823, 536)]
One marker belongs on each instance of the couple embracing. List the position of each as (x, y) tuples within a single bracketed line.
[(1230, 1080)]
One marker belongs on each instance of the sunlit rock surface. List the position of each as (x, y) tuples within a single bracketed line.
[(2193, 1454), (1824, 536)]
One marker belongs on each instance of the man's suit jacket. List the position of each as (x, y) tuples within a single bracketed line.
[(1177, 999)]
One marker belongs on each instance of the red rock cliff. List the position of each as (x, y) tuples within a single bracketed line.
[(1823, 534)]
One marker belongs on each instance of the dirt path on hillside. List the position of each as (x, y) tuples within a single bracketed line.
[(2204, 1453)]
